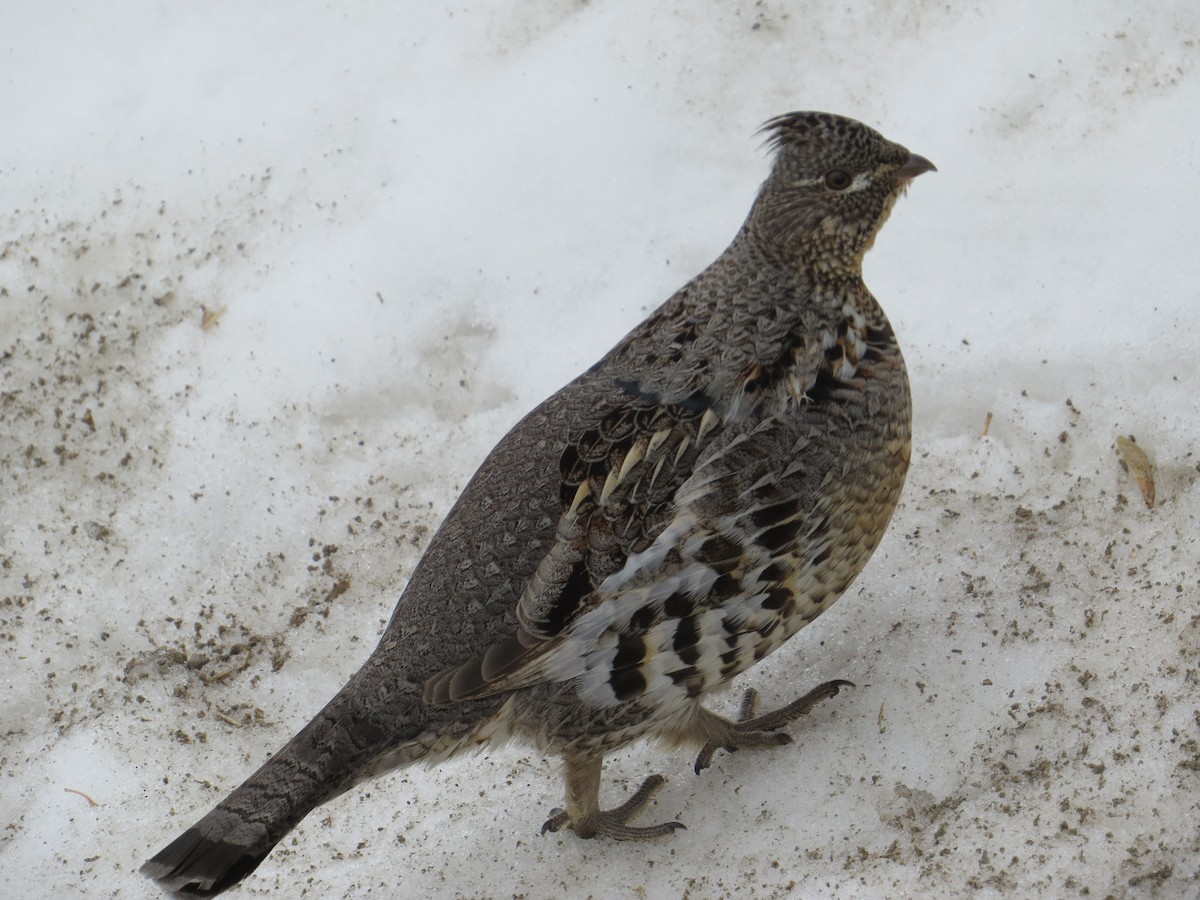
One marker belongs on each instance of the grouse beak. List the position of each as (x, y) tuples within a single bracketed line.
[(915, 165)]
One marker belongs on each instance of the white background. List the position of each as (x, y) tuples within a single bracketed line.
[(414, 223)]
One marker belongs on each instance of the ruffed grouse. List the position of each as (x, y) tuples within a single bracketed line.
[(660, 524)]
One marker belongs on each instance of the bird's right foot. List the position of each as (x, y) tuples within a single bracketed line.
[(759, 731)]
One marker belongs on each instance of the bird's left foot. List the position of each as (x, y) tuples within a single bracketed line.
[(759, 731), (613, 823)]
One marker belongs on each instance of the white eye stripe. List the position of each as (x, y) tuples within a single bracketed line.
[(860, 181), (808, 182)]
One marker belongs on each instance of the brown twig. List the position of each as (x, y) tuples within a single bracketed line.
[(90, 801)]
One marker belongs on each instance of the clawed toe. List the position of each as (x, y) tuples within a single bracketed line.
[(748, 739), (602, 824), (779, 717), (558, 818)]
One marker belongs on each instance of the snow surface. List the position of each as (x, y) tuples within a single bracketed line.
[(407, 224)]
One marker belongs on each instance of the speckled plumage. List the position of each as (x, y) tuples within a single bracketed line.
[(659, 525)]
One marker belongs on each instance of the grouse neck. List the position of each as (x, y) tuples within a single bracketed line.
[(818, 237)]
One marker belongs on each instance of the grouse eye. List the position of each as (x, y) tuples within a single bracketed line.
[(838, 180)]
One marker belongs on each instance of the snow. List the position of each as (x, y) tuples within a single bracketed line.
[(409, 224)]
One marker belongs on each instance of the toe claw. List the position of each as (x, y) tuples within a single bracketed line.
[(558, 818)]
